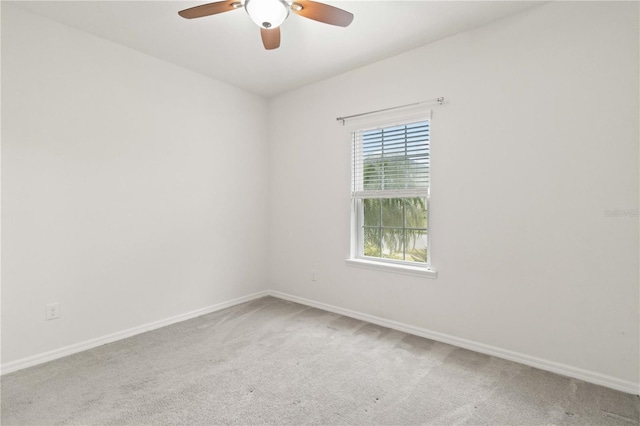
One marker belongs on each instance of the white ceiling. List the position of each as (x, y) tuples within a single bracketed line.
[(228, 47)]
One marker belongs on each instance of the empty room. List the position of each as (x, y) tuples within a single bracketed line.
[(331, 213)]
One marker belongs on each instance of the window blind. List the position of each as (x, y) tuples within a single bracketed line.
[(391, 162)]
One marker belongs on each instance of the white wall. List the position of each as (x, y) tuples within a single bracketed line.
[(539, 138), (133, 190), (120, 174)]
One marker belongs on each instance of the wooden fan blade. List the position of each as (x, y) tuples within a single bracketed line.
[(270, 38), (210, 9), (322, 12)]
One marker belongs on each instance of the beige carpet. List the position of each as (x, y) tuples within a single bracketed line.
[(276, 362)]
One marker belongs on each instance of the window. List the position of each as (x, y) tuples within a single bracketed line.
[(390, 194)]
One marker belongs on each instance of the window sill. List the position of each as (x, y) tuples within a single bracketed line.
[(395, 268)]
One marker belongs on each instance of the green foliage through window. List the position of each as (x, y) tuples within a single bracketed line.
[(390, 187), (395, 228)]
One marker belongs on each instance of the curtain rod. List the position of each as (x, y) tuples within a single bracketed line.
[(439, 101)]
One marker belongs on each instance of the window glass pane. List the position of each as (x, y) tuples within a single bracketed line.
[(416, 245), (392, 212), (372, 242), (393, 244), (395, 228), (415, 212), (371, 212)]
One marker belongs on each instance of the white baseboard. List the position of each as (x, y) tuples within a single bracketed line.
[(565, 370), (542, 364), (99, 341)]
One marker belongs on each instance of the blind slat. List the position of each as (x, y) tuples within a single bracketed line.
[(391, 162), (390, 194)]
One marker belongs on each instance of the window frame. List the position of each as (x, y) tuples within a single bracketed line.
[(357, 257)]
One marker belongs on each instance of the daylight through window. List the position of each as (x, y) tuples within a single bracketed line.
[(390, 192)]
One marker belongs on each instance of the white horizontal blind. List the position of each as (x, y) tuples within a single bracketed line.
[(392, 161)]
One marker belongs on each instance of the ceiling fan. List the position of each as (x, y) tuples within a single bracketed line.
[(270, 14)]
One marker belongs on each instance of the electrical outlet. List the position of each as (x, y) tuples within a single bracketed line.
[(314, 275), (52, 311)]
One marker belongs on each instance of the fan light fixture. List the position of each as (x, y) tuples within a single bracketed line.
[(270, 14), (267, 13)]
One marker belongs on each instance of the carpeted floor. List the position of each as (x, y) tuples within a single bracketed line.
[(276, 362)]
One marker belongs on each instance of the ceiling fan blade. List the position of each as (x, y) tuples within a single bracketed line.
[(322, 12), (270, 38), (210, 9)]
